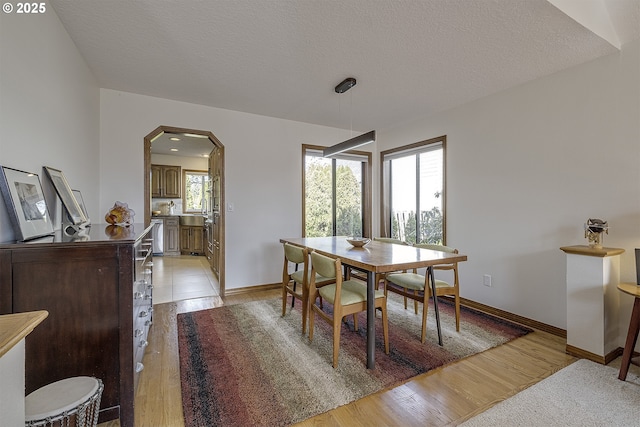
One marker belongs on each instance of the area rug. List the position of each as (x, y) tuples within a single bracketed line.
[(246, 365), (583, 394)]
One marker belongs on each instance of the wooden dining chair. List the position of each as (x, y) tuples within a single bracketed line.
[(417, 287), (351, 273), (380, 276), (347, 297), (296, 283)]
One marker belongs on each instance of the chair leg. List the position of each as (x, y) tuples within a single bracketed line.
[(284, 300), (355, 322), (405, 298), (312, 316), (415, 301), (305, 310), (457, 303), (385, 327), (293, 299), (337, 325)]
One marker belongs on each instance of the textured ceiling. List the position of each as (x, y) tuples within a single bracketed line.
[(282, 58)]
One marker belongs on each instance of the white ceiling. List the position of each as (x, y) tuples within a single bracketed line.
[(186, 145), (282, 58)]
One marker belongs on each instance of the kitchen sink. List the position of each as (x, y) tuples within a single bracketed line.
[(192, 220)]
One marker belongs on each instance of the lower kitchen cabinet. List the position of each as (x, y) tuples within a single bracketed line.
[(172, 236), (192, 240)]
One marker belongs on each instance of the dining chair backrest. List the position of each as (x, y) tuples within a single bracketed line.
[(440, 248), (294, 254), (390, 240), (323, 265)]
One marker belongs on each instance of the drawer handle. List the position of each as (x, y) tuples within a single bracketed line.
[(137, 333), (139, 367)]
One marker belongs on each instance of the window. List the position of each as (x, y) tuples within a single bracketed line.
[(196, 191), (337, 194), (413, 195)]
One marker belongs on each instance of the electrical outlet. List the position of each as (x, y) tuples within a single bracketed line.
[(487, 280)]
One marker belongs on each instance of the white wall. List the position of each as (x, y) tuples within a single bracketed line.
[(525, 169), (263, 168), (49, 104)]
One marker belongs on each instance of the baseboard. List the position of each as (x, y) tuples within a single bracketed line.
[(562, 333), (583, 354), (252, 289)]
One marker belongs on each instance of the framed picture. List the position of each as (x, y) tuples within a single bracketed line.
[(25, 202), (71, 205), (80, 201)]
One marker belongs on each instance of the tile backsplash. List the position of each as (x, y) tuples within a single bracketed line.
[(163, 205)]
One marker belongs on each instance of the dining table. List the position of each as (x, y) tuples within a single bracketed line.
[(379, 257)]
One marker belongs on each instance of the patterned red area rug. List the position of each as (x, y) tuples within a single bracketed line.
[(245, 365)]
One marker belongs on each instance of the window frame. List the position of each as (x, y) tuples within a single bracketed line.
[(385, 183), (366, 185), (198, 172)]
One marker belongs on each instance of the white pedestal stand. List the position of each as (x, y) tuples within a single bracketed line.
[(593, 275), (13, 330)]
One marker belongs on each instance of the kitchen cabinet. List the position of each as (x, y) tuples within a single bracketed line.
[(98, 293), (214, 245), (192, 240), (171, 236), (166, 181)]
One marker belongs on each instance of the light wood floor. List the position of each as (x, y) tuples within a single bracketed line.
[(444, 396)]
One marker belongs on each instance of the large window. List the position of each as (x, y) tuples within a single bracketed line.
[(337, 194), (196, 191), (413, 183)]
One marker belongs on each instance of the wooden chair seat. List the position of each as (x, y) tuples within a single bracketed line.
[(352, 292)]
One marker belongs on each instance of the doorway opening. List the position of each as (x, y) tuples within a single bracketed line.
[(215, 222)]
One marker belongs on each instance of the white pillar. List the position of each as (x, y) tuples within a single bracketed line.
[(593, 275)]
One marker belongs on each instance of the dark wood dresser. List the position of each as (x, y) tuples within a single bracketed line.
[(97, 289)]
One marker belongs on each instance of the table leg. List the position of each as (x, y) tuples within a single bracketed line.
[(632, 338), (371, 319), (435, 303)]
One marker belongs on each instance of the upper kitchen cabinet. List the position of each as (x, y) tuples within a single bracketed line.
[(165, 181)]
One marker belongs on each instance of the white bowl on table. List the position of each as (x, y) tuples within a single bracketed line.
[(358, 242)]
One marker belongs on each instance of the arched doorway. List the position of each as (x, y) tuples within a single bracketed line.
[(216, 217)]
